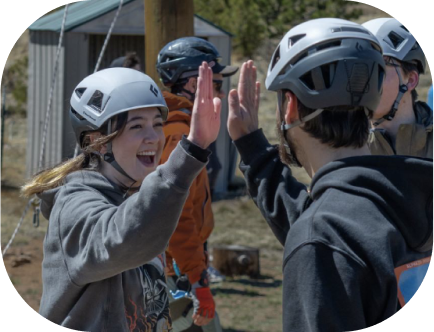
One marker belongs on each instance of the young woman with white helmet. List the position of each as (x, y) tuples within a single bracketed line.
[(402, 125), (109, 221)]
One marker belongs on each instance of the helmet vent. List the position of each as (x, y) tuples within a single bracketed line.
[(73, 111), (79, 92), (415, 46), (276, 57), (395, 39), (403, 27), (359, 78), (312, 50), (295, 39), (96, 101), (350, 29), (324, 46), (320, 78)]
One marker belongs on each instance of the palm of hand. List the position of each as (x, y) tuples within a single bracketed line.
[(205, 121)]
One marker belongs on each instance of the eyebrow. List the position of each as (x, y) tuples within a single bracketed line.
[(158, 116)]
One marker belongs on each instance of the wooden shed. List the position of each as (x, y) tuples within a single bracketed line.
[(86, 28)]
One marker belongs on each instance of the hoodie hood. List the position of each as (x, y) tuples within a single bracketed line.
[(401, 186), (76, 180)]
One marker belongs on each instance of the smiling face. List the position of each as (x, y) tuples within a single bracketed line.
[(139, 147)]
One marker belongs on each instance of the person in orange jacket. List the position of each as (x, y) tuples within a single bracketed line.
[(177, 65)]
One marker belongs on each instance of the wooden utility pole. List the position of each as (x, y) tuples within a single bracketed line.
[(165, 20)]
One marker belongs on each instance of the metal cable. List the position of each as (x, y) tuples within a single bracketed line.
[(44, 133), (26, 209), (121, 2), (50, 98)]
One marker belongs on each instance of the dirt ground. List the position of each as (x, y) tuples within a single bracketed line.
[(27, 277)]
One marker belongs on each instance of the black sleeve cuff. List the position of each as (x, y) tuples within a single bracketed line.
[(249, 145), (194, 150)]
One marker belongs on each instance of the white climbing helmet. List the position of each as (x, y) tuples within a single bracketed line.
[(109, 92)]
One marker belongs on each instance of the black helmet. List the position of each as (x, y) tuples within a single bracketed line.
[(181, 58)]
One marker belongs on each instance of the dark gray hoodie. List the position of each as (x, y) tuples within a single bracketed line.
[(103, 267), (357, 245)]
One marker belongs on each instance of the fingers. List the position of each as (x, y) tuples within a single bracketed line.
[(234, 102), (200, 320), (257, 94), (217, 107), (204, 89)]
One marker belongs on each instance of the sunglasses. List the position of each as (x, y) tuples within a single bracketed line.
[(218, 84)]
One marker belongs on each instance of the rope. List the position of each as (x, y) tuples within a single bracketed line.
[(104, 46), (44, 133), (50, 98), (121, 2)]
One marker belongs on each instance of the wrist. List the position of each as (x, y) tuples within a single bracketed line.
[(196, 142), (202, 282)]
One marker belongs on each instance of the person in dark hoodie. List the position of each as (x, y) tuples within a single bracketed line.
[(401, 124), (109, 221), (177, 65), (358, 242)]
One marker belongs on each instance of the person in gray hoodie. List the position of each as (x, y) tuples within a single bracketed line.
[(358, 242), (111, 210)]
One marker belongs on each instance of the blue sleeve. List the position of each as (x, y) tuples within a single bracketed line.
[(430, 98)]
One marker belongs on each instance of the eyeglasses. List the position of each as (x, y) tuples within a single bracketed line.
[(218, 84), (390, 62)]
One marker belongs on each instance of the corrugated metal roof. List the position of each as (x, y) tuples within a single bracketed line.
[(78, 13), (84, 11)]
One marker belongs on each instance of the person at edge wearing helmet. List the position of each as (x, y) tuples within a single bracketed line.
[(401, 124), (177, 65), (109, 221), (365, 224)]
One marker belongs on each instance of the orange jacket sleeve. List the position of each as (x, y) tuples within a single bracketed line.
[(186, 244)]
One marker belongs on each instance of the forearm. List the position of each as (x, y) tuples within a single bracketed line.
[(278, 195)]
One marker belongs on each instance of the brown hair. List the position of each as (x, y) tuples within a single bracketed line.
[(340, 126), (89, 159)]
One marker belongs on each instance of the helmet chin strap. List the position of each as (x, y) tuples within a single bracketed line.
[(192, 95), (110, 157), (284, 127), (402, 90)]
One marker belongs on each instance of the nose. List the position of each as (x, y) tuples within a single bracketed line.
[(151, 136)]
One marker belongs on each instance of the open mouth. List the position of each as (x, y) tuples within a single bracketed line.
[(147, 158)]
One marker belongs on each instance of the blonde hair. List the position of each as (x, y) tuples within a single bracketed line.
[(90, 159)]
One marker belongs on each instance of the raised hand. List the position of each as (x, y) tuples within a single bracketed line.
[(205, 118), (244, 103)]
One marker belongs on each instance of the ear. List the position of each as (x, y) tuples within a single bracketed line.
[(93, 137), (413, 80), (291, 112), (191, 85)]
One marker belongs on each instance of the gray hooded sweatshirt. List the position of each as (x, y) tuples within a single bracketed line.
[(103, 267)]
